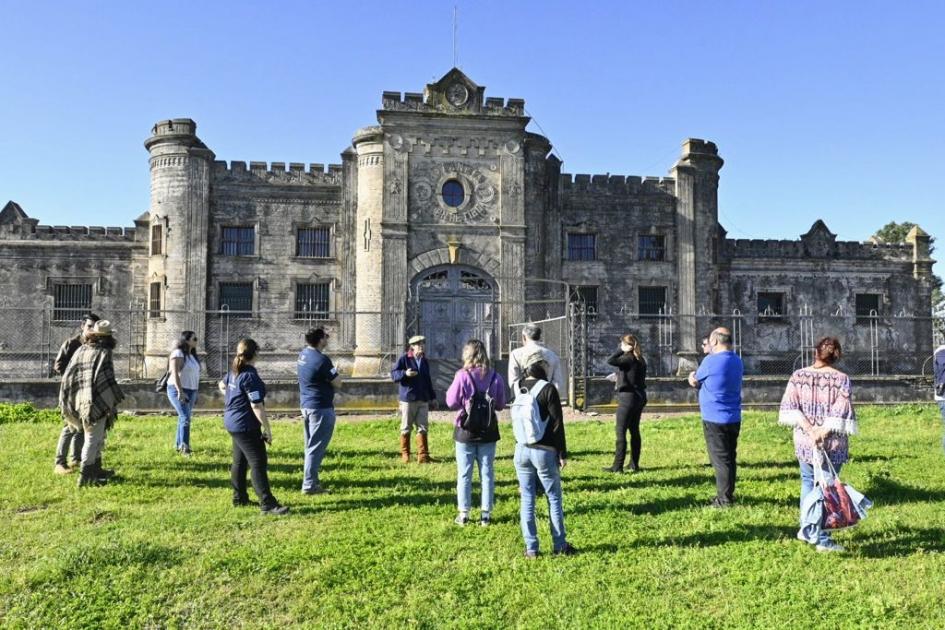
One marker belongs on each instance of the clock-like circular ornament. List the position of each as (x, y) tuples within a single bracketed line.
[(457, 94)]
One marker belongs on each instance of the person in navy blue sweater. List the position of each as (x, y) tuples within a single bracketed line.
[(412, 372)]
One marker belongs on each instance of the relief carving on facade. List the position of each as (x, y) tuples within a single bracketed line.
[(479, 183)]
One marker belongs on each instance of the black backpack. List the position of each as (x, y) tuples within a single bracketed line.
[(480, 410)]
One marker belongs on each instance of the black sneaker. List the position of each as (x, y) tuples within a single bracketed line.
[(612, 469), (244, 503), (720, 504), (276, 510), (566, 550)]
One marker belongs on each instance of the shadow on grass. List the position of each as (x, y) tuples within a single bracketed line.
[(903, 542), (887, 491)]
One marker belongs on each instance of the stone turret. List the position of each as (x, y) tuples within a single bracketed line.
[(697, 219), (179, 218)]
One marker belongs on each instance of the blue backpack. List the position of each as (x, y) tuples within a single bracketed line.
[(527, 423)]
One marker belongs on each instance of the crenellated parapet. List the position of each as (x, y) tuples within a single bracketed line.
[(454, 94), (815, 249), (277, 173), (15, 224), (617, 185)]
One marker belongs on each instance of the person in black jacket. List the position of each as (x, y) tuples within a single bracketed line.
[(412, 373), (630, 383), (540, 464)]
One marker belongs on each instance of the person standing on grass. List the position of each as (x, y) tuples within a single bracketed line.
[(817, 403), (70, 438), (475, 382), (318, 378), (416, 394), (630, 383), (531, 350), (89, 397), (540, 464), (939, 368), (182, 385), (719, 379), (244, 416)]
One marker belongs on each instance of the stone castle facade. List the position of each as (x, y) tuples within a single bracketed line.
[(448, 217)]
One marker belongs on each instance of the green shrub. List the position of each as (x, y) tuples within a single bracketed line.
[(26, 412)]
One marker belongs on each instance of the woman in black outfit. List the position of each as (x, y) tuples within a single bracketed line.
[(631, 399)]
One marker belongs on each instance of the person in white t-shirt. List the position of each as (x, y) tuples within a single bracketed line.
[(182, 384)]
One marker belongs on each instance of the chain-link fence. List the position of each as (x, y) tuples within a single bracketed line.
[(30, 338), (773, 345)]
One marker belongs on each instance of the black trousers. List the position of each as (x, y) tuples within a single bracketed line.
[(721, 441), (629, 408), (249, 451)]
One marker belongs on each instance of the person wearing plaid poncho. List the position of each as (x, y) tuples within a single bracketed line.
[(89, 397)]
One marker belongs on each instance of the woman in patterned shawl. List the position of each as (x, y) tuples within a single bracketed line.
[(89, 397), (817, 404)]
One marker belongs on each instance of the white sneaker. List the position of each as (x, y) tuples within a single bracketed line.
[(830, 546)]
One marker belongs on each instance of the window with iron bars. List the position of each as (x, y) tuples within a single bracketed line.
[(154, 303), (652, 301), (651, 247), (238, 241), (237, 298), (71, 300), (157, 240), (867, 307), (582, 246), (770, 306), (312, 300), (313, 242), (587, 296)]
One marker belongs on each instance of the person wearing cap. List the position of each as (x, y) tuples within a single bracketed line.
[(71, 439), (412, 373), (318, 378), (89, 397)]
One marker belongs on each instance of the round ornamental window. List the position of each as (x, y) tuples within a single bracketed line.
[(453, 193)]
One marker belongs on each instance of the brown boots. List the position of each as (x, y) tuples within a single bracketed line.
[(405, 448), (423, 450)]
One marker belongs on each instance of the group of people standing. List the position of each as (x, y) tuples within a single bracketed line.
[(817, 403)]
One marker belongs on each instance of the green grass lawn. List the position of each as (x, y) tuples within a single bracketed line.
[(162, 547)]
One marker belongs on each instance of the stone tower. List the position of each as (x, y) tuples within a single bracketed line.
[(179, 217), (697, 224)]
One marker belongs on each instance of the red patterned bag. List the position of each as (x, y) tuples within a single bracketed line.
[(839, 509)]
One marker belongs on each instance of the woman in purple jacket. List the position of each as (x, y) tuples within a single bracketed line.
[(475, 376)]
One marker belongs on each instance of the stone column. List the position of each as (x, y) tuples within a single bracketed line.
[(369, 300), (180, 201), (697, 229)]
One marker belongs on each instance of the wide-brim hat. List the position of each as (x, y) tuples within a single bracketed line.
[(417, 339), (102, 328)]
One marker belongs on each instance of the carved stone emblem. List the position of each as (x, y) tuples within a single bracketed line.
[(479, 187), (457, 94)]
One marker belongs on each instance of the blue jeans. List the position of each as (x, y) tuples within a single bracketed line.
[(941, 406), (318, 426), (483, 454), (534, 466), (185, 410), (807, 485)]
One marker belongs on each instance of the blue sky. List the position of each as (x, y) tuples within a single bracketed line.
[(820, 110)]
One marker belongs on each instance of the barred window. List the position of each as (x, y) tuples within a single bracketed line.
[(652, 301), (157, 239), (582, 246), (651, 247), (867, 307), (154, 303), (770, 305), (311, 300), (70, 301), (238, 241), (313, 242), (587, 296), (237, 297)]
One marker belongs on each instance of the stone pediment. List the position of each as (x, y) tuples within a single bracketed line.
[(12, 213), (819, 242), (454, 93)]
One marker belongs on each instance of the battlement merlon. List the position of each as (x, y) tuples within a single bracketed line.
[(922, 262), (297, 172), (617, 184), (174, 133), (431, 103), (699, 154)]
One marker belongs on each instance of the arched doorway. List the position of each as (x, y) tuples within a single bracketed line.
[(453, 304)]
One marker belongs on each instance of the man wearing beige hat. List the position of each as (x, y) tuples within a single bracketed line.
[(89, 397), (412, 372)]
